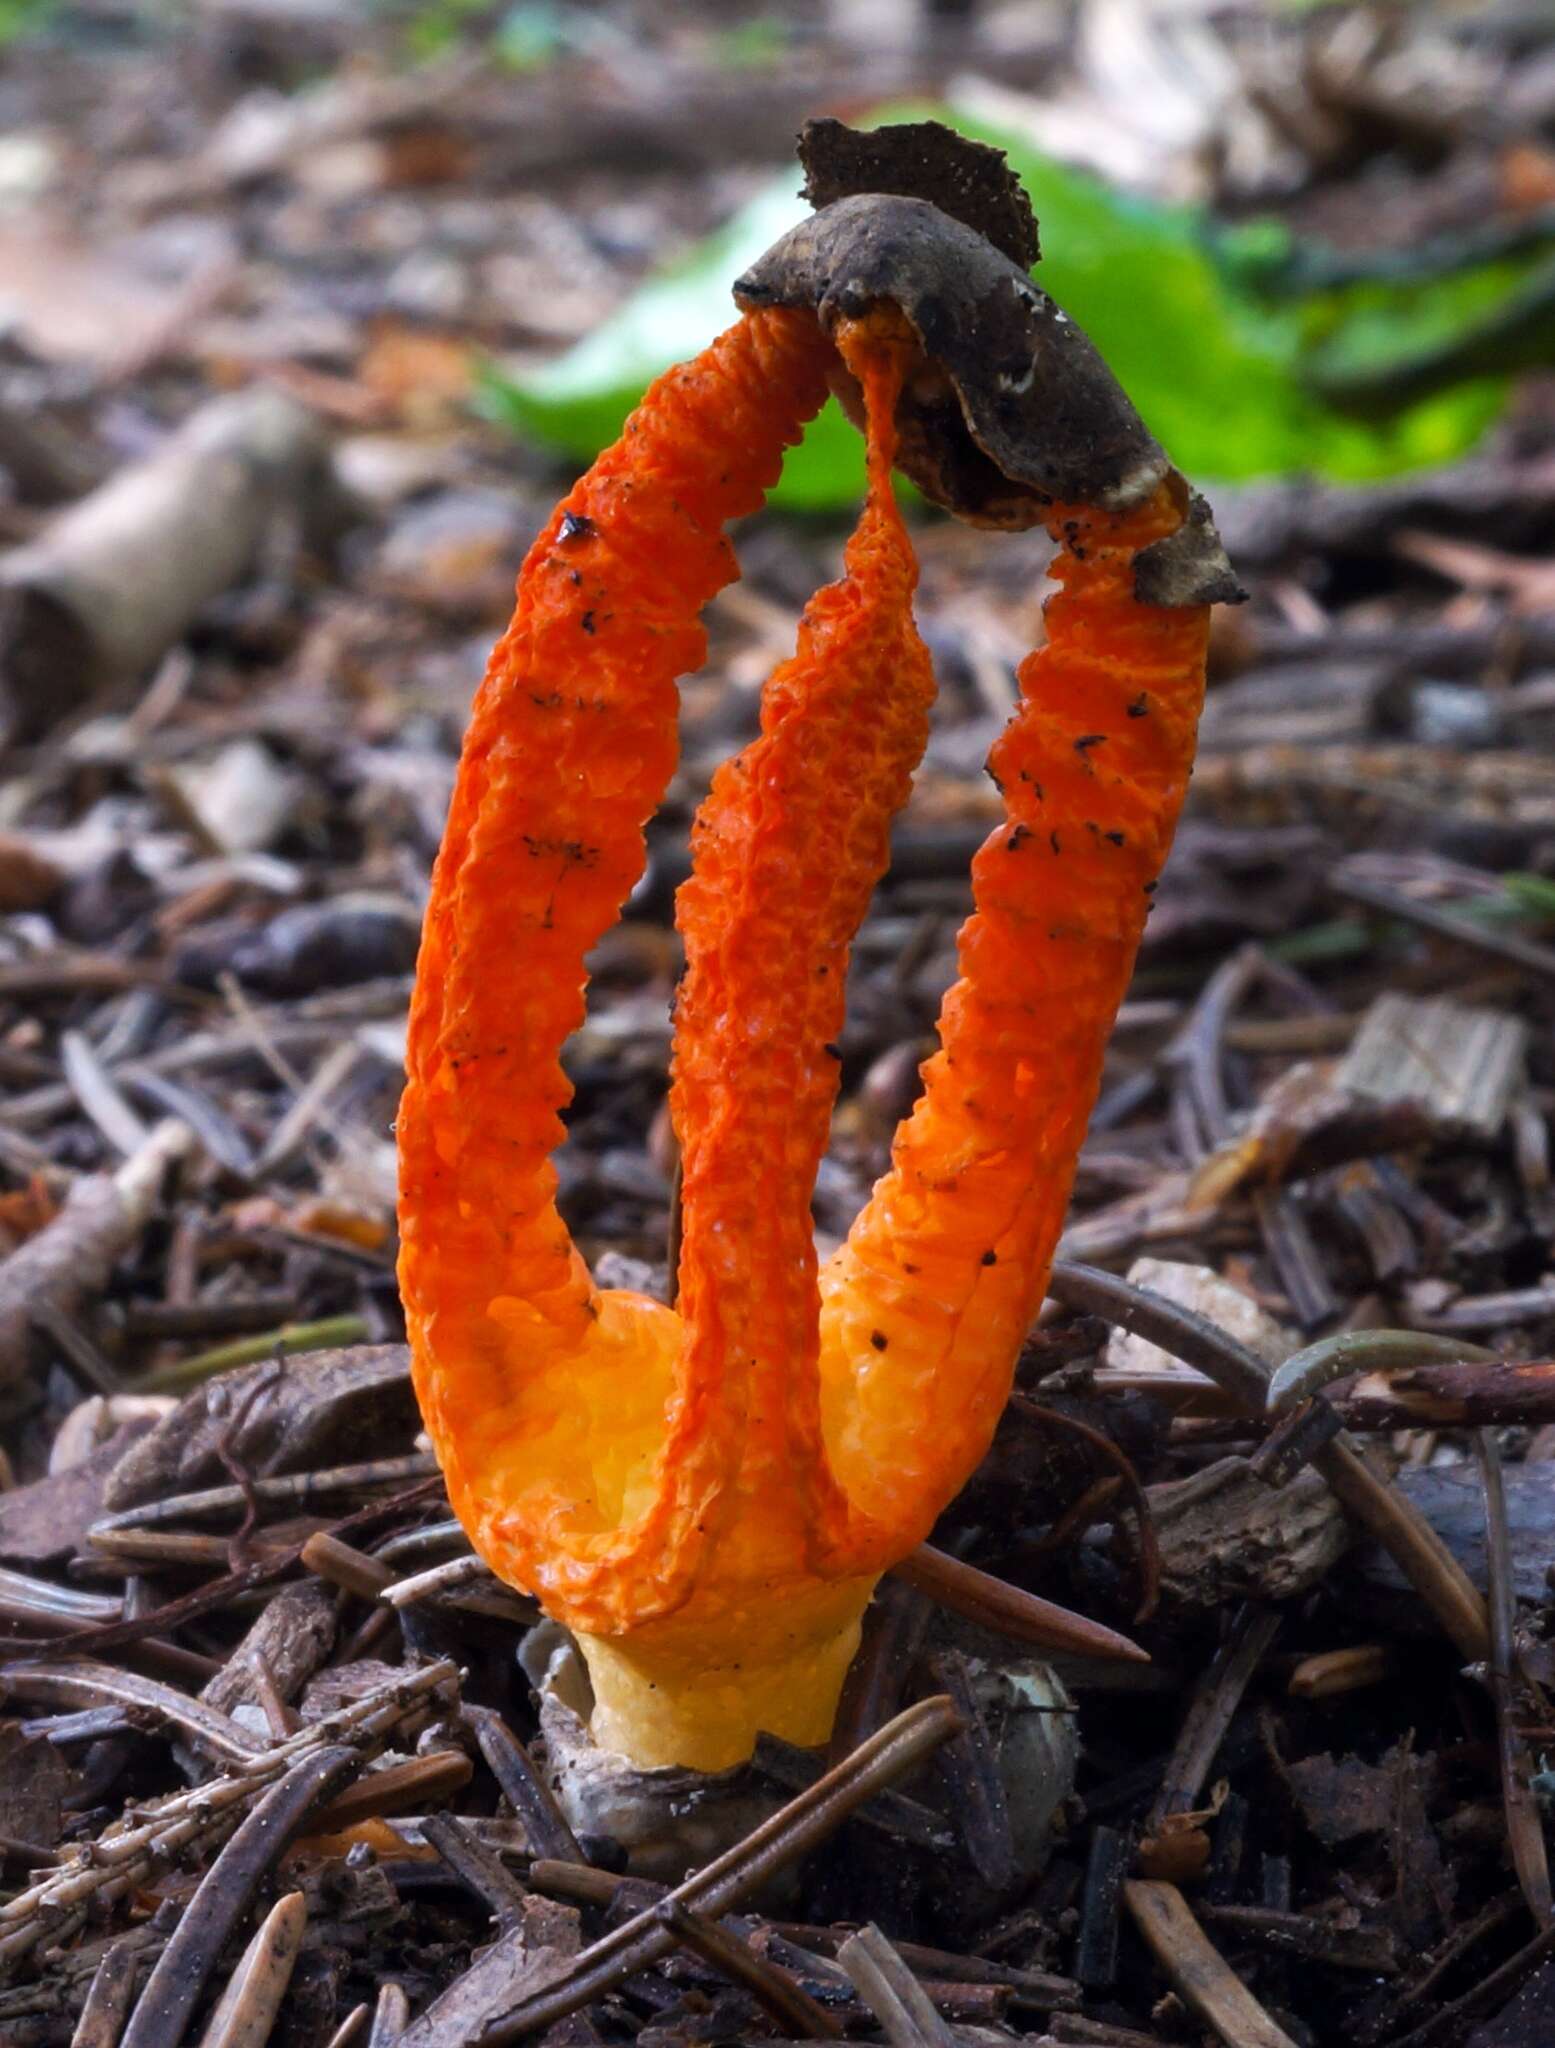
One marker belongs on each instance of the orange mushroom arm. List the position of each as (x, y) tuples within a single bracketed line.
[(786, 851), (926, 1305), (530, 1380)]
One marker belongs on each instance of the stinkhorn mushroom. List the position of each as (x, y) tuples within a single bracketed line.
[(707, 1493)]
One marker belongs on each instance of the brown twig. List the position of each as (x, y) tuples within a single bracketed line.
[(1397, 1525), (343, 1565), (1149, 1546), (110, 585), (412, 1785), (476, 1867), (72, 1255), (1362, 1351), (220, 1592), (390, 2017), (1215, 1700), (1196, 1051), (1524, 1824), (1200, 1976), (246, 2011), (526, 1791), (891, 1992), (1461, 1396), (1010, 1610), (791, 1833), (287, 1489), (223, 1896), (789, 2004), (242, 1477), (970, 1769), (1449, 2023), (108, 2000), (86, 1684)]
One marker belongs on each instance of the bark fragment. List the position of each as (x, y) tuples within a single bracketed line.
[(1227, 1537), (324, 1408), (72, 1256), (111, 585)]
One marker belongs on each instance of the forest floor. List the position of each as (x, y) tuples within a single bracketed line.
[(258, 531)]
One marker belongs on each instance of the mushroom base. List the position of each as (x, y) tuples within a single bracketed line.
[(698, 1687)]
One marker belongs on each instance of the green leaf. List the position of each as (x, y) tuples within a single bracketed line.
[(1214, 364), (752, 45), (21, 18), (1342, 938), (578, 402), (529, 36), (1534, 895)]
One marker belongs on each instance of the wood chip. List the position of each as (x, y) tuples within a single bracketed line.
[(1461, 1067)]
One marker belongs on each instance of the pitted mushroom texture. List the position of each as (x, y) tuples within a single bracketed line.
[(707, 1493)]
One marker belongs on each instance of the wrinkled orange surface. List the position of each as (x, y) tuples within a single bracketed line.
[(708, 1493)]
